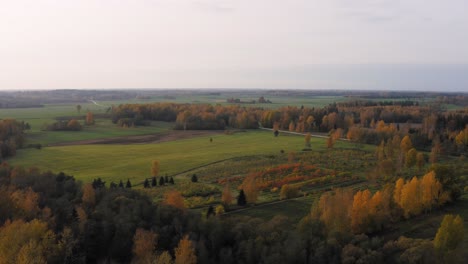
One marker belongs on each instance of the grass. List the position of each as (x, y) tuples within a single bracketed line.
[(115, 162), (101, 129)]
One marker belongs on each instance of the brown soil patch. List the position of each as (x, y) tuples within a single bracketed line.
[(154, 138)]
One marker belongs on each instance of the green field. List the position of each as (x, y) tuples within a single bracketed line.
[(103, 127), (116, 162)]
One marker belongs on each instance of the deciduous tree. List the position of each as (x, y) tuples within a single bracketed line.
[(406, 144), (144, 244), (155, 168), (89, 118), (249, 185), (450, 234), (175, 199), (185, 253), (226, 197)]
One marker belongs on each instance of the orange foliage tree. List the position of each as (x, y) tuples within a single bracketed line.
[(250, 187), (175, 199), (155, 168), (185, 253), (144, 244), (89, 118), (226, 197)]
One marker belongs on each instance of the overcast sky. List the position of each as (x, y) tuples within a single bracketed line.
[(316, 44)]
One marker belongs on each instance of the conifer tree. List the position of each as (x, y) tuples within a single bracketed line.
[(241, 200)]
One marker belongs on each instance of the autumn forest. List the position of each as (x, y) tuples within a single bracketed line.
[(230, 176)]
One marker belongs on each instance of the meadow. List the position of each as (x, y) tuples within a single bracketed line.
[(121, 162)]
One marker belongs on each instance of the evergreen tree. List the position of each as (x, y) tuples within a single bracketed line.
[(210, 211), (121, 184), (146, 184), (171, 180), (153, 182), (161, 181), (194, 178), (113, 185), (98, 183), (241, 199), (166, 179), (128, 184)]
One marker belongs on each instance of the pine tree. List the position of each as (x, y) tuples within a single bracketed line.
[(153, 182), (194, 178), (146, 184), (121, 185), (161, 181), (171, 180), (128, 184), (210, 211), (241, 200)]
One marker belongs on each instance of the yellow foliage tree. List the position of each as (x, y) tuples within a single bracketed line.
[(164, 258), (185, 253), (360, 211), (219, 210), (334, 210), (288, 192), (22, 242), (406, 144), (411, 198), (397, 192), (462, 138), (450, 234)]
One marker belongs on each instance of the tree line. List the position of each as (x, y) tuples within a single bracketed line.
[(11, 137), (426, 125)]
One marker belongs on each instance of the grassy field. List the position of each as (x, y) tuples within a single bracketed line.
[(101, 129), (115, 162)]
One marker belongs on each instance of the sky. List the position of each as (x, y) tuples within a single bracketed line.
[(300, 44)]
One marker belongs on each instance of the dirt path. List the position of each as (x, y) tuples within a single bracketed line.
[(140, 139)]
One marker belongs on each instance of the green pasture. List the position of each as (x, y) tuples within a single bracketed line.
[(101, 129), (116, 162), (36, 117)]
